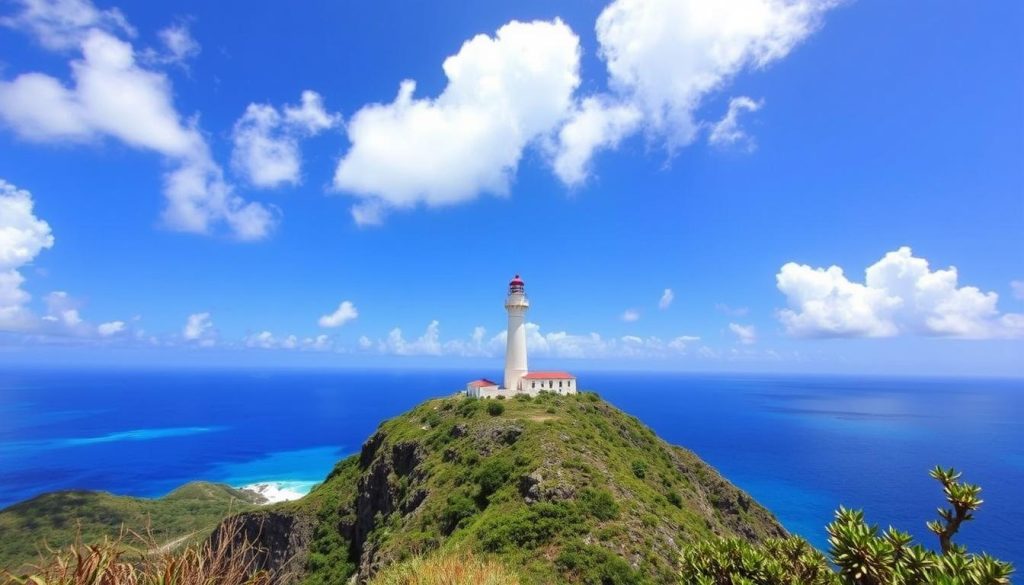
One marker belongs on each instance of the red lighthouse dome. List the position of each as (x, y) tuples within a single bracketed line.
[(516, 285)]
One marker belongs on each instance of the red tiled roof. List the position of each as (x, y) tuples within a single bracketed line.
[(549, 376), (482, 382)]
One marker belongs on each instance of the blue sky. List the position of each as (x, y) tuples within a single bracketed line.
[(174, 194)]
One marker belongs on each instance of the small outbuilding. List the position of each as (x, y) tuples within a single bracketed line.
[(534, 383)]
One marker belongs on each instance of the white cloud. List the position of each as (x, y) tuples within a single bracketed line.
[(900, 295), (62, 309), (665, 57), (666, 299), (267, 340), (595, 124), (199, 329), (630, 315), (345, 312), (503, 93), (427, 344), (266, 141), (111, 95), (539, 344), (178, 43), (64, 24), (22, 237), (727, 132), (745, 334), (110, 328), (1017, 286)]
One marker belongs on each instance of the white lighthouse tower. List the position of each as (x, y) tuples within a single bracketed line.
[(517, 379), (516, 304)]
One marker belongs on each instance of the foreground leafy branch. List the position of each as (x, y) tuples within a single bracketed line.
[(861, 553)]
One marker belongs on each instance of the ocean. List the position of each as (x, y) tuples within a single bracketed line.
[(801, 445)]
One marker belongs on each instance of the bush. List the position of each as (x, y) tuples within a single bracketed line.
[(598, 503), (459, 508), (675, 499), (468, 407), (594, 565), (639, 469), (528, 528), (493, 474), (495, 409)]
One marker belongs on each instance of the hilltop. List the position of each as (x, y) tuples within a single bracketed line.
[(565, 488), (56, 519)]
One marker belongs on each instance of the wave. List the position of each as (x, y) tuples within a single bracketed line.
[(119, 436)]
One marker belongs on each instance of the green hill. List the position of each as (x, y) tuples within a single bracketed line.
[(57, 518), (563, 488)]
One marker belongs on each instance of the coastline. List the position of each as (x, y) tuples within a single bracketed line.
[(274, 492)]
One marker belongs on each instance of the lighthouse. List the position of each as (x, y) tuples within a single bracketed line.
[(516, 304), (517, 379)]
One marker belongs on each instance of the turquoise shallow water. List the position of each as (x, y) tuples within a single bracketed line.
[(800, 445)]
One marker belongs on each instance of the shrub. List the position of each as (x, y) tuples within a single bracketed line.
[(675, 499), (459, 508), (495, 409), (594, 565), (598, 503), (493, 474), (639, 469), (468, 407), (528, 528)]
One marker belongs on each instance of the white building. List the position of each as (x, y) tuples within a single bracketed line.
[(518, 378)]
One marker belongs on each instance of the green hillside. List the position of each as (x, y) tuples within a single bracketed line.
[(561, 487), (55, 519)]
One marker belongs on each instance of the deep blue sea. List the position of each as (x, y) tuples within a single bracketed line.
[(801, 445)]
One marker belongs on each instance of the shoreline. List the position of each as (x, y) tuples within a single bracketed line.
[(276, 491)]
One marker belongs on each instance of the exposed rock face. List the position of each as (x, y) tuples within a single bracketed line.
[(281, 541)]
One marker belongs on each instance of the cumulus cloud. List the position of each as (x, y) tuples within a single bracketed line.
[(745, 334), (630, 315), (112, 96), (727, 132), (62, 309), (595, 124), (666, 299), (900, 295), (427, 344), (267, 340), (266, 140), (665, 57), (539, 344), (22, 237), (503, 93), (199, 329), (63, 24), (110, 328), (345, 312)]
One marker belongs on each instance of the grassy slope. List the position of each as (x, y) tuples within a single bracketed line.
[(55, 519), (618, 500)]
